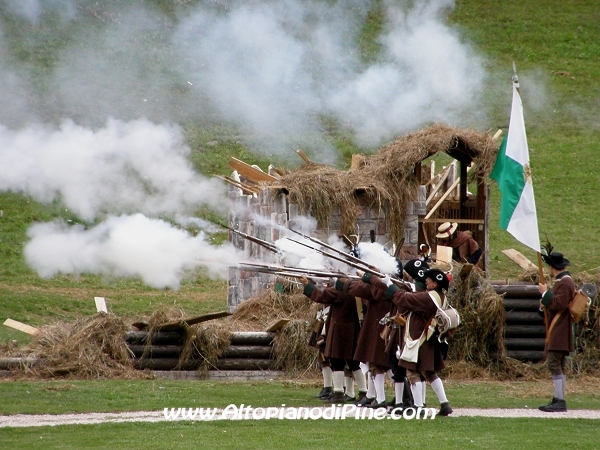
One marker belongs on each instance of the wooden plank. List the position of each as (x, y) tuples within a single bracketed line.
[(100, 304), (21, 327), (172, 326), (277, 325), (518, 258), (250, 172), (156, 351)]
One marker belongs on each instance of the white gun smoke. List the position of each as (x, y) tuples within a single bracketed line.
[(93, 128)]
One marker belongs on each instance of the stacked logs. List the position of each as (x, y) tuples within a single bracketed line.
[(247, 351), (525, 332)]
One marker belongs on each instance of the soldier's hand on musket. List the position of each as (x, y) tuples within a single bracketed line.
[(304, 280), (359, 272), (542, 288)]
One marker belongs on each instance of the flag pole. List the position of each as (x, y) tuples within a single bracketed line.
[(542, 279)]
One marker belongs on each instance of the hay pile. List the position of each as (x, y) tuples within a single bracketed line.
[(92, 347), (479, 339), (385, 180)]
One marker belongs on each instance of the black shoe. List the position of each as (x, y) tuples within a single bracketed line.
[(376, 405), (348, 399), (336, 397), (556, 405), (445, 409), (364, 401), (326, 391), (392, 402), (396, 410)]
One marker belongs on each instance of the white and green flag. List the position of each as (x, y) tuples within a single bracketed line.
[(513, 174)]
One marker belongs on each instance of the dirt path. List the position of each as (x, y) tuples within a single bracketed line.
[(25, 420)]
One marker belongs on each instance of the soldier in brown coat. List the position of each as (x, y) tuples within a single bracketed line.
[(370, 348), (465, 249), (342, 335), (421, 310), (559, 334)]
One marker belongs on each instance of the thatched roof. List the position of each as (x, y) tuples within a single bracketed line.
[(386, 179)]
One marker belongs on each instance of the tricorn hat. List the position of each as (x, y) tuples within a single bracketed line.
[(556, 260), (446, 230), (416, 268), (439, 277)]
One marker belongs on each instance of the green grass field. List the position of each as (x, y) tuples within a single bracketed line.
[(555, 44)]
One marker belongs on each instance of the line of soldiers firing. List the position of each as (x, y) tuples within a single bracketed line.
[(374, 325)]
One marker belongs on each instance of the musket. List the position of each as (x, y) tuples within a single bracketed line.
[(268, 268), (267, 245), (330, 247), (361, 265)]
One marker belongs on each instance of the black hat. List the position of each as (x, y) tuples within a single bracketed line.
[(556, 260), (416, 269), (439, 277)]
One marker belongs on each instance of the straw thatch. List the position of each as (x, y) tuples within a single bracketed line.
[(385, 180)]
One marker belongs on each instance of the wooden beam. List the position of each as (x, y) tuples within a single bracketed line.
[(252, 173), (277, 325), (436, 187), (171, 326), (303, 156), (442, 198), (21, 327)]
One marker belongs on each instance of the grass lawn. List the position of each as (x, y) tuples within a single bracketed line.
[(448, 433)]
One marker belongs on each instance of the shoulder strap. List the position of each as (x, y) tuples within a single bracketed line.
[(551, 327), (435, 296)]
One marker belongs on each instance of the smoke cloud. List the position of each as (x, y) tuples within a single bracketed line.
[(126, 246), (124, 167), (94, 95)]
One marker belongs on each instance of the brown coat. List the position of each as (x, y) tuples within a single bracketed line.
[(555, 301), (422, 309), (370, 347), (342, 322), (463, 246)]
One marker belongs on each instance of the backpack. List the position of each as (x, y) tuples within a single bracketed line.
[(579, 306), (446, 317)]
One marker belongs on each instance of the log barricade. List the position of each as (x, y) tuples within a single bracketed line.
[(524, 330), (248, 351)]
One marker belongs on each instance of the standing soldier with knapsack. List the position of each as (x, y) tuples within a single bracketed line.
[(559, 329)]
